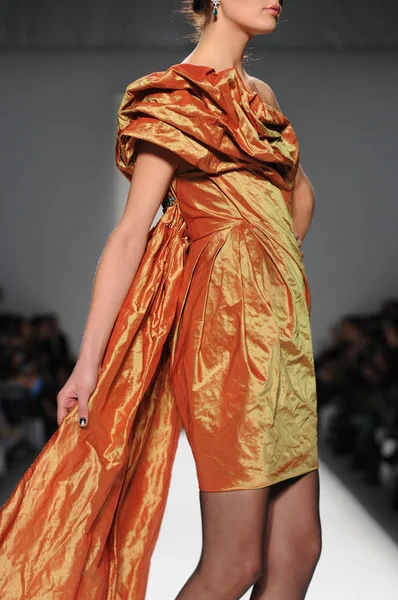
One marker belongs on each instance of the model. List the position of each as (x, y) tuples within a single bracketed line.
[(203, 323)]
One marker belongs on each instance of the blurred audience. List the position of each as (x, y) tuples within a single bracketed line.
[(35, 362), (357, 381)]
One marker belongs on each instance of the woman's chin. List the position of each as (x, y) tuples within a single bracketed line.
[(265, 30), (267, 24)]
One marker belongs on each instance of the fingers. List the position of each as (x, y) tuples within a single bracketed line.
[(83, 394), (299, 241), (77, 391), (65, 403), (62, 411)]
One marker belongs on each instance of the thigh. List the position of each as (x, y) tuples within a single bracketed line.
[(293, 525), (233, 524)]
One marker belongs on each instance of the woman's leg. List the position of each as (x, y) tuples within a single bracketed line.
[(233, 542), (292, 540)]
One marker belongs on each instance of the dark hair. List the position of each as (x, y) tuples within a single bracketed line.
[(198, 13)]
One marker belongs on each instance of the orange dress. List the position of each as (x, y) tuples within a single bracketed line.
[(214, 335)]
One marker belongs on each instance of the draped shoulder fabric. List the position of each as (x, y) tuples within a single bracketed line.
[(213, 335)]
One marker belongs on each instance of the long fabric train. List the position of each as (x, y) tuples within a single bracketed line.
[(84, 519)]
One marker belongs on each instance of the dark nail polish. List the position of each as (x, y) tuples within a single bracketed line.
[(83, 421)]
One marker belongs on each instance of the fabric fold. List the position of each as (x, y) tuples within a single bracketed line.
[(84, 519), (213, 121)]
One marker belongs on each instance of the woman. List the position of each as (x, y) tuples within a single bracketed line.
[(203, 322)]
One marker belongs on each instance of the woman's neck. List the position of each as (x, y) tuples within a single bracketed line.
[(220, 47)]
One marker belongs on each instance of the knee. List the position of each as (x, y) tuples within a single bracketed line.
[(245, 575), (236, 576), (300, 557), (308, 553), (250, 571), (311, 552)]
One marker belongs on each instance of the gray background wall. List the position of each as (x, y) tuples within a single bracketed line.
[(57, 173)]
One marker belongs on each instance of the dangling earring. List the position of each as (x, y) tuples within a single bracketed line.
[(215, 7)]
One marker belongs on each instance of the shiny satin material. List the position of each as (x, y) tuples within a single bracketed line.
[(214, 335)]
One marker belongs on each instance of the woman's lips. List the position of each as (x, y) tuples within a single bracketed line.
[(273, 11)]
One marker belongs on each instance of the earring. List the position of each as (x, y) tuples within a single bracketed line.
[(215, 7)]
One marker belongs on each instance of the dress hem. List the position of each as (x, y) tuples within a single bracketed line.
[(275, 480)]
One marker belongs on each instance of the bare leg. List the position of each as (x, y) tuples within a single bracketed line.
[(233, 543), (292, 540)]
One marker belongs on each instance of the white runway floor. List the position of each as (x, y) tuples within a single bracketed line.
[(359, 561)]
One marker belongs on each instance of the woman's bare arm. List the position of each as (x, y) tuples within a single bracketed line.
[(303, 202), (122, 254), (153, 172)]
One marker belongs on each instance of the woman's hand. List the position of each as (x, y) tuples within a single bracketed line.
[(79, 387), (299, 242)]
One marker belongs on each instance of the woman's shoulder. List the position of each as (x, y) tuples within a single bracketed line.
[(265, 91)]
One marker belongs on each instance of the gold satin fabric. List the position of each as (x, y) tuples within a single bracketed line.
[(214, 335)]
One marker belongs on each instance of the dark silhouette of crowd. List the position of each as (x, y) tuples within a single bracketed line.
[(357, 381), (35, 362)]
